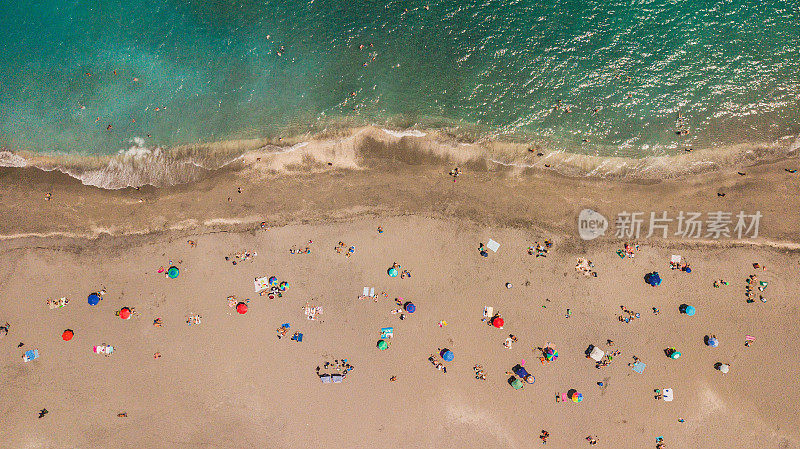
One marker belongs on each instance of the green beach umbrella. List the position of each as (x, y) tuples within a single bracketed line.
[(173, 272), (382, 345)]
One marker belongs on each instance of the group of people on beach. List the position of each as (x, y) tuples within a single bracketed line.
[(540, 250)]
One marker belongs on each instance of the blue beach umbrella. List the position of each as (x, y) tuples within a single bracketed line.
[(173, 272), (653, 279), (447, 355), (410, 307), (713, 342), (687, 309), (392, 272), (93, 299)]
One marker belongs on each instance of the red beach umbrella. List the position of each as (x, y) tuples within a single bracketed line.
[(241, 308), (498, 322), (67, 335), (125, 313)]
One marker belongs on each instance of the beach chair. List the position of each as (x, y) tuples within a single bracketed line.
[(336, 378), (366, 291), (668, 395), (31, 354), (492, 245), (488, 312), (639, 367), (325, 378)]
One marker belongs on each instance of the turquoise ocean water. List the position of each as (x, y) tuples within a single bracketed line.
[(88, 76)]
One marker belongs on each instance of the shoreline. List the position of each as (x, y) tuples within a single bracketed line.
[(142, 165), (392, 179)]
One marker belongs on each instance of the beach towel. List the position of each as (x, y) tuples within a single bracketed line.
[(57, 303), (298, 337), (492, 245), (31, 354), (668, 395), (387, 332), (675, 259), (103, 349), (597, 354), (261, 283), (312, 312), (639, 367), (488, 312)]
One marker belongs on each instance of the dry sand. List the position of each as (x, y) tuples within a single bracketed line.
[(229, 382)]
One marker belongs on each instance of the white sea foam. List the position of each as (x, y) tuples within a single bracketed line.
[(9, 159), (406, 133), (140, 164)]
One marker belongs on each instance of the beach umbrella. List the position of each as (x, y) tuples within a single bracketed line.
[(653, 279), (94, 299), (447, 355), (125, 313), (688, 269), (173, 272), (713, 342), (392, 272), (67, 335), (550, 354), (382, 345), (577, 397), (675, 355), (687, 309), (273, 281), (410, 307), (724, 368), (498, 322), (241, 308), (283, 286)]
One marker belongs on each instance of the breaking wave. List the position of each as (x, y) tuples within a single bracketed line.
[(361, 148)]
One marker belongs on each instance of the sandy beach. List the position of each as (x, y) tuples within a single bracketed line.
[(230, 382)]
